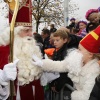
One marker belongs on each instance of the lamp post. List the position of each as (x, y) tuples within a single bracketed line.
[(66, 12)]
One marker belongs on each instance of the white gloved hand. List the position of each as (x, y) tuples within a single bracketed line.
[(37, 61), (9, 72), (4, 92)]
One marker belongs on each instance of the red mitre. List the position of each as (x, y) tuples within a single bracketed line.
[(24, 16), (91, 42)]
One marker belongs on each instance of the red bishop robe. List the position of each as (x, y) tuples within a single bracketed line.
[(24, 18)]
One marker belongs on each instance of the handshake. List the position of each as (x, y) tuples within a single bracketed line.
[(37, 61), (9, 72)]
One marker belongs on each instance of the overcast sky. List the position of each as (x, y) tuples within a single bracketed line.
[(84, 5)]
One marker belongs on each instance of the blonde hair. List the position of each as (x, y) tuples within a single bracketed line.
[(97, 56), (61, 33)]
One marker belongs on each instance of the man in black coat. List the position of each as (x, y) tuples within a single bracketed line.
[(52, 28), (46, 37)]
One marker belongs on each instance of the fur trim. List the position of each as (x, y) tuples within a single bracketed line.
[(86, 81), (5, 37), (49, 65), (79, 95), (72, 63)]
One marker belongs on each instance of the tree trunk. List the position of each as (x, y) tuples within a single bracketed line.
[(37, 25)]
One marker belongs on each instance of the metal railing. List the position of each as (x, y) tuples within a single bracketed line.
[(61, 95)]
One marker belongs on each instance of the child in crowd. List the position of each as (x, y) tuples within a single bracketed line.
[(92, 15), (72, 22), (82, 65), (61, 39), (82, 28)]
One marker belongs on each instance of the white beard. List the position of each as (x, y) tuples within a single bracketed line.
[(24, 48)]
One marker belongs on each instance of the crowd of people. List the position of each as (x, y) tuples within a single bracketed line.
[(58, 43), (45, 62)]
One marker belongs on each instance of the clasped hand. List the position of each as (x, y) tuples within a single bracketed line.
[(37, 61), (9, 72)]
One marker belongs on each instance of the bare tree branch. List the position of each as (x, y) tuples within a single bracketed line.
[(50, 10)]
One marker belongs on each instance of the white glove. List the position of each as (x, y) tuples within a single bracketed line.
[(37, 61), (4, 92), (9, 72)]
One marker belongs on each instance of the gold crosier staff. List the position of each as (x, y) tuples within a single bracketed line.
[(12, 43)]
